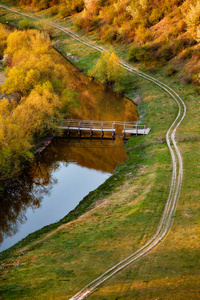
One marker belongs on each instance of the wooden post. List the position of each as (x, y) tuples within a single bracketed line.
[(113, 130), (91, 132), (79, 129), (124, 131), (102, 133), (69, 128)]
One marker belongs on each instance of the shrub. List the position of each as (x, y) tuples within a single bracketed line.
[(44, 4), (138, 54), (109, 33), (63, 11), (171, 71), (24, 24), (78, 22), (133, 54), (44, 26), (108, 71), (192, 16), (53, 10), (165, 53), (185, 78), (187, 53), (143, 35), (155, 16), (196, 78)]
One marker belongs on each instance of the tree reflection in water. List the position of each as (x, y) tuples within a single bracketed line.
[(36, 183), (26, 191), (97, 103)]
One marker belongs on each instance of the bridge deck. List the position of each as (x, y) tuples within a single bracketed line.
[(102, 126), (88, 129)]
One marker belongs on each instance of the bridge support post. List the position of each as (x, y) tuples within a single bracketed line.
[(91, 131), (79, 129), (102, 133), (124, 135), (113, 130), (68, 130), (113, 134)]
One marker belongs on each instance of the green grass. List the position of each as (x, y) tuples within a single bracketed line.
[(59, 260)]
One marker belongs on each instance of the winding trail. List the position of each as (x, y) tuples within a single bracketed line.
[(177, 170)]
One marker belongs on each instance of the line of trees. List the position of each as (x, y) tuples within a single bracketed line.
[(37, 87), (124, 20)]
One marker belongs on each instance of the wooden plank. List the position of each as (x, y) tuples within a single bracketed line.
[(137, 131), (87, 128)]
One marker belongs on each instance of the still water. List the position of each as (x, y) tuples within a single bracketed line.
[(58, 180), (69, 168)]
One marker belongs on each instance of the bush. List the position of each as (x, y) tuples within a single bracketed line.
[(165, 53), (196, 78), (108, 71), (155, 16), (192, 16), (187, 54), (171, 71), (63, 11), (44, 26), (133, 54), (53, 10), (143, 35), (78, 22), (109, 33), (24, 24), (185, 78), (138, 54)]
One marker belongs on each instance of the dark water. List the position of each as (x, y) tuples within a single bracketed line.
[(68, 169), (58, 180)]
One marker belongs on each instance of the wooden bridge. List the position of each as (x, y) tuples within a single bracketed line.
[(92, 126)]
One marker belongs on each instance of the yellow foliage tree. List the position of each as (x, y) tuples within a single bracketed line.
[(36, 73), (108, 70), (3, 39), (192, 15)]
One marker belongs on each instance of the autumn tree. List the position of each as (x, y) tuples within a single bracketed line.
[(4, 33), (108, 70), (35, 72)]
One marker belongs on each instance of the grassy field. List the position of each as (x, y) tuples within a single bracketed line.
[(122, 214)]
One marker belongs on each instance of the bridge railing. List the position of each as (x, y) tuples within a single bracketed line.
[(88, 124), (102, 126)]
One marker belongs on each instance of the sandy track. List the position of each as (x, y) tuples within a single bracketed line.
[(177, 171)]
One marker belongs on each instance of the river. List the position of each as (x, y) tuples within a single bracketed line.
[(68, 169)]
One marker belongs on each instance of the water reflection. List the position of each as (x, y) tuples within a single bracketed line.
[(97, 102), (47, 192), (27, 191), (43, 194), (102, 155)]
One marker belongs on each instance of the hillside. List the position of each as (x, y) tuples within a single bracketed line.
[(167, 32)]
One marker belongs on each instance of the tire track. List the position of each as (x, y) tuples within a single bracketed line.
[(177, 170)]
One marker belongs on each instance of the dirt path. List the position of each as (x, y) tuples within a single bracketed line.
[(177, 172)]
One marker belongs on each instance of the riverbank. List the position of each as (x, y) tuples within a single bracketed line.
[(120, 216)]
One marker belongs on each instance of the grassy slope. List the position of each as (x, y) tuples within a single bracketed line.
[(59, 264)]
